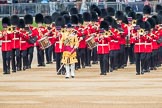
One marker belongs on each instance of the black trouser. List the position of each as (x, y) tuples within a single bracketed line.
[(88, 57), (81, 57), (53, 52), (15, 58), (40, 56), (94, 55), (113, 56), (6, 56), (131, 54), (126, 55), (103, 62), (154, 58), (147, 61), (23, 59), (30, 51), (140, 57), (58, 61), (121, 55), (48, 52)]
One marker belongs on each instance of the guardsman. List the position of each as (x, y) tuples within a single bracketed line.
[(139, 47), (82, 43), (86, 35), (132, 31), (146, 12), (94, 30), (50, 35), (123, 30), (32, 34), (15, 44), (23, 44), (6, 38), (148, 45), (60, 24), (103, 47), (41, 31), (70, 42)]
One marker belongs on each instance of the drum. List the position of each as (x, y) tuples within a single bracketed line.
[(91, 42), (44, 42)]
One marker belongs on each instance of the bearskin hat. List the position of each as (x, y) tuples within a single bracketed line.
[(14, 20), (158, 8), (140, 22), (98, 11), (86, 16), (111, 11), (104, 25), (128, 9), (155, 19), (147, 26), (139, 16), (28, 19), (67, 19), (47, 19), (73, 11), (6, 21), (74, 19), (64, 12), (39, 18), (60, 21), (92, 7), (55, 15), (119, 15), (94, 17), (103, 13), (21, 23), (125, 19), (146, 9), (152, 22), (80, 18), (109, 19), (132, 14)]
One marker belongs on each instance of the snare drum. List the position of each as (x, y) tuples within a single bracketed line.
[(91, 42), (44, 42)]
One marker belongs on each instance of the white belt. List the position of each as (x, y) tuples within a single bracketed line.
[(7, 41), (116, 41), (15, 39), (139, 43), (50, 37), (23, 41), (147, 43), (58, 42), (102, 44), (154, 40)]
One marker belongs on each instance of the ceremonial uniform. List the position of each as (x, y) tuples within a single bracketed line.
[(32, 33), (70, 42), (15, 44), (23, 44), (6, 45)]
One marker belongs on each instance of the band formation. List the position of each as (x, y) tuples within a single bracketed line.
[(76, 40)]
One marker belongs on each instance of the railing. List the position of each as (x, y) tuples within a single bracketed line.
[(47, 9)]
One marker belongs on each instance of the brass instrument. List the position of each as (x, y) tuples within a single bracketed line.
[(1, 35), (134, 22), (10, 30), (141, 31)]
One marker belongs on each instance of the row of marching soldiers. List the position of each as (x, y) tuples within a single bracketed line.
[(76, 39)]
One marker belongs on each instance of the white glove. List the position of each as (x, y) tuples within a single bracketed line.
[(75, 47), (60, 47), (81, 38)]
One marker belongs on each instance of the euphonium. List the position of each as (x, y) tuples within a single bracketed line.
[(9, 29), (141, 31), (134, 22)]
